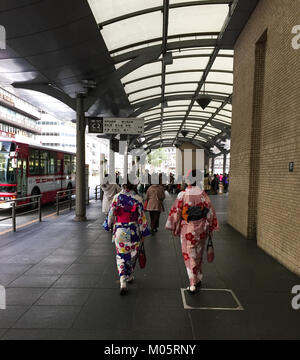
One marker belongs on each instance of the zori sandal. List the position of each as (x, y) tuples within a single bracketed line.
[(191, 289)]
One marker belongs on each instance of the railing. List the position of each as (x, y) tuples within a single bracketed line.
[(14, 206), (62, 195), (68, 197), (98, 193)]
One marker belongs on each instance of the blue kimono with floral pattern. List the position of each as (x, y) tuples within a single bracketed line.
[(128, 222)]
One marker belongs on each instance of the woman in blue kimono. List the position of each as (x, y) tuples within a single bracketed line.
[(127, 220)]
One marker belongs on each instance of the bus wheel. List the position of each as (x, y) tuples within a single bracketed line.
[(34, 201)]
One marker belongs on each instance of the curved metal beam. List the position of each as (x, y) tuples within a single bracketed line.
[(174, 45), (48, 89)]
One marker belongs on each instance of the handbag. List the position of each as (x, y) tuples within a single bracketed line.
[(145, 205), (142, 256), (210, 251)]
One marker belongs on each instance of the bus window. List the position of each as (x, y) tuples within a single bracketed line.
[(58, 166), (31, 162), (52, 163), (36, 162), (44, 158), (73, 164), (67, 164)]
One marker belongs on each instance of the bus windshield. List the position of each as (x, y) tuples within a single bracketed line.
[(7, 172)]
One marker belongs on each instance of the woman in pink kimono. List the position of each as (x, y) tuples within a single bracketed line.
[(193, 218)]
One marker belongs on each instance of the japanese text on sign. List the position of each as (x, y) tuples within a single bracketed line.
[(123, 126)]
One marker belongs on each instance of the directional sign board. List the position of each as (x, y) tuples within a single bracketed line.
[(127, 126), (95, 125), (124, 126)]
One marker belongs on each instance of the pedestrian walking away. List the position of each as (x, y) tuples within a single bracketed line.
[(127, 220), (109, 191), (193, 218), (154, 199)]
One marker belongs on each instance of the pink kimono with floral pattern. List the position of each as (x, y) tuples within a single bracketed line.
[(193, 234)]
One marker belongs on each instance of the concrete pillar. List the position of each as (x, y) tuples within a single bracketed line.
[(80, 209)]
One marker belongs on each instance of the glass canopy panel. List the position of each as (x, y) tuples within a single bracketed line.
[(226, 52), (142, 84), (143, 94), (175, 109), (223, 63), (196, 19), (222, 89), (222, 118), (152, 112), (181, 87), (179, 103), (228, 107), (188, 63), (145, 70), (132, 30), (152, 117), (186, 76), (104, 10), (198, 111), (225, 113), (175, 113), (220, 77)]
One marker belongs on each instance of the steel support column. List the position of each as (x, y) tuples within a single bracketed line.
[(80, 209), (224, 163)]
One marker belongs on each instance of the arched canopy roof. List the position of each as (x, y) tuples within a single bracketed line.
[(151, 59), (194, 59)]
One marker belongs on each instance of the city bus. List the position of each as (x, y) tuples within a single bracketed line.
[(27, 170)]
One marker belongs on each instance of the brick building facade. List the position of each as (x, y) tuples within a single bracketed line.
[(264, 200)]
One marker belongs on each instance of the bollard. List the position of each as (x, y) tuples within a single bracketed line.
[(57, 204), (70, 197), (13, 216), (40, 209)]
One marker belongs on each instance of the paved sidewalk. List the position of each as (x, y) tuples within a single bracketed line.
[(61, 283)]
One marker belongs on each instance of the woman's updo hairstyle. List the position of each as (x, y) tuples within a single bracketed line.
[(194, 178)]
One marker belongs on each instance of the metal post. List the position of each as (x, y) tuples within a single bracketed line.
[(88, 196), (80, 211), (13, 211), (70, 199), (224, 163), (57, 204), (40, 209)]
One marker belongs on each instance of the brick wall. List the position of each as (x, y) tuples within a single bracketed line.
[(264, 199)]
